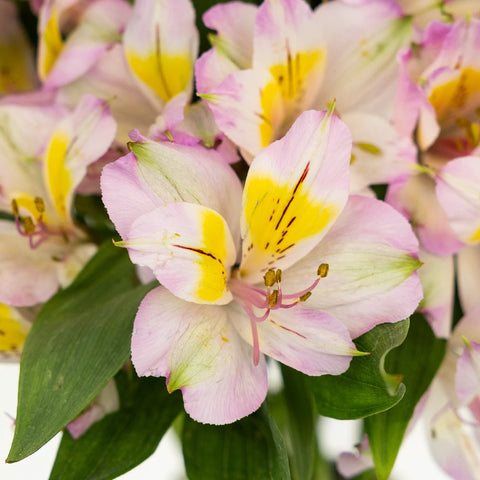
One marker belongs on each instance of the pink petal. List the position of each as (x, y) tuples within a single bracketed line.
[(199, 351), (302, 176), (308, 340)]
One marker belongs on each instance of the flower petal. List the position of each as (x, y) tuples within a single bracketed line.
[(468, 266), (199, 351), (234, 23), (13, 332), (161, 38), (308, 340), (189, 248), (371, 252), (458, 188), (361, 70), (78, 140), (437, 278), (99, 28), (416, 198), (294, 191)]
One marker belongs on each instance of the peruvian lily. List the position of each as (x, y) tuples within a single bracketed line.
[(147, 67), (269, 64), (453, 406), (257, 274), (43, 248)]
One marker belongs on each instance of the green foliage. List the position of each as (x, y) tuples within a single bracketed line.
[(249, 448), (418, 359), (79, 341), (365, 388), (123, 439)]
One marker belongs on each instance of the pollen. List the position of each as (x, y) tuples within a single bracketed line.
[(273, 299), (28, 225), (305, 296), (15, 207), (322, 271), (270, 278), (39, 204)]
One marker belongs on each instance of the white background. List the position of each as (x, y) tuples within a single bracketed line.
[(414, 461)]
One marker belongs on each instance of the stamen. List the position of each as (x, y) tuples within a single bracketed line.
[(28, 225), (266, 300), (39, 204), (305, 296), (269, 278), (15, 207), (273, 299), (322, 270)]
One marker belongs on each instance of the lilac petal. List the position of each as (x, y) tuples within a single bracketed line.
[(199, 351)]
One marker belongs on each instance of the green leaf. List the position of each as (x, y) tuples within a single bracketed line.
[(300, 425), (365, 388), (418, 359), (249, 448), (123, 439), (80, 339)]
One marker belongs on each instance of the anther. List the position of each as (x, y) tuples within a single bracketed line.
[(322, 270), (39, 204), (273, 299), (28, 225), (15, 207), (305, 296), (269, 278), (278, 276)]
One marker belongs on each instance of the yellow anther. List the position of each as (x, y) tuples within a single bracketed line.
[(39, 204), (15, 207), (28, 225), (305, 296), (278, 276), (273, 298), (369, 148), (269, 278), (323, 270)]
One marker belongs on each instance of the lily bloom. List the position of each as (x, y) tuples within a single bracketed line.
[(43, 248), (290, 268)]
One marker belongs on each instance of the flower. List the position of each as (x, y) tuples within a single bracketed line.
[(43, 248), (258, 273)]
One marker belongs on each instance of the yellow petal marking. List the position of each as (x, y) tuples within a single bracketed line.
[(52, 46), (278, 217), (211, 257), (166, 75), (454, 97), (475, 238), (12, 332), (282, 99), (58, 178)]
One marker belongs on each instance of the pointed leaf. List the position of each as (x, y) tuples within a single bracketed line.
[(79, 340), (418, 359), (301, 421), (365, 388), (123, 439), (250, 448)]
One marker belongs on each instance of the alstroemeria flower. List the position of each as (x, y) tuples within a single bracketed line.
[(245, 276), (439, 91), (453, 407), (268, 64), (147, 67), (44, 248)]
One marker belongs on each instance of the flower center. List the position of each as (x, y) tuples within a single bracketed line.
[(33, 225), (259, 302)]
